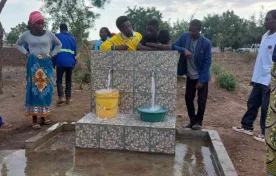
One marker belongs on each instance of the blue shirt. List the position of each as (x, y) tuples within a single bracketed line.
[(67, 54), (98, 44)]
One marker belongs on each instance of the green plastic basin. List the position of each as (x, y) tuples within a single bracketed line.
[(150, 114)]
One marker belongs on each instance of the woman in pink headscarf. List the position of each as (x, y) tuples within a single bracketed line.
[(40, 77)]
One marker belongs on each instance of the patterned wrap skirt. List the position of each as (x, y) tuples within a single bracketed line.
[(270, 131), (39, 89)]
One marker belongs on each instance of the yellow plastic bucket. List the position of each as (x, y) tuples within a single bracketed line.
[(107, 103)]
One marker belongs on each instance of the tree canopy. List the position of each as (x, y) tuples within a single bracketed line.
[(77, 14), (15, 32)]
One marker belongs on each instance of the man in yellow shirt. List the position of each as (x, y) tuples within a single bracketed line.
[(127, 39)]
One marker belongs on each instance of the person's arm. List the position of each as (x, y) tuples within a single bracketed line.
[(142, 45), (203, 76), (54, 58), (109, 45), (57, 44), (181, 50), (178, 43), (27, 47), (144, 48), (20, 44), (75, 48), (274, 54), (157, 46)]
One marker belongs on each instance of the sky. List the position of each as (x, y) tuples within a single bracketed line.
[(17, 11)]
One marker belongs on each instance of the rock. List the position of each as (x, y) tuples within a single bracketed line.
[(8, 77)]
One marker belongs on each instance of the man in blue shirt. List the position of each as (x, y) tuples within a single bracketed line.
[(197, 51), (65, 61)]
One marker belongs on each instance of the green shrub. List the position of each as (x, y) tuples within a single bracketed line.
[(216, 69), (82, 72), (87, 62), (82, 78), (227, 80)]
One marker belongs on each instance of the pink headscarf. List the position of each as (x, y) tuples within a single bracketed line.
[(35, 16)]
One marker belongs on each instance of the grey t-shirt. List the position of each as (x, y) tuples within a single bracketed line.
[(192, 72), (39, 44)]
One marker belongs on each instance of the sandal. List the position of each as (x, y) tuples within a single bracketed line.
[(46, 122), (36, 127), (6, 125)]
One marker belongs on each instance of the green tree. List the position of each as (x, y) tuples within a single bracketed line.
[(233, 29), (211, 27), (77, 14), (15, 32), (229, 30), (226, 30), (220, 41), (139, 17), (2, 4), (255, 31), (178, 28)]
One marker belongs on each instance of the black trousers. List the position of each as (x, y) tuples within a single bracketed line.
[(202, 99), (259, 97), (68, 73)]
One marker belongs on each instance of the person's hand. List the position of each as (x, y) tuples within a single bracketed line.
[(188, 54), (199, 86), (121, 47)]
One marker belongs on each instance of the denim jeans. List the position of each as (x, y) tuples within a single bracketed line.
[(259, 97), (68, 72)]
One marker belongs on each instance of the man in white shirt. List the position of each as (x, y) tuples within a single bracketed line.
[(261, 78)]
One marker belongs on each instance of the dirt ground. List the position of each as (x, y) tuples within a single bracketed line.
[(224, 110)]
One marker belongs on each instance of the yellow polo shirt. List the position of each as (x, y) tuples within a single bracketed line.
[(120, 39)]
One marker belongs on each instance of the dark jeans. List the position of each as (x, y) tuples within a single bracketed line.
[(202, 99), (259, 97), (68, 73)]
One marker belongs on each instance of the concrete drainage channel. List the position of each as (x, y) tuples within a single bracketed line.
[(197, 153), (38, 140), (222, 160)]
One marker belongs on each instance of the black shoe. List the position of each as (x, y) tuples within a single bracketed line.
[(188, 126), (196, 127)]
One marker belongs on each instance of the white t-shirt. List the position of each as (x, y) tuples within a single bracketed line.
[(264, 61)]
